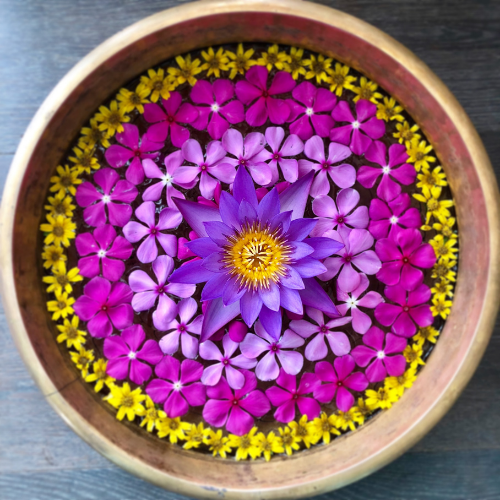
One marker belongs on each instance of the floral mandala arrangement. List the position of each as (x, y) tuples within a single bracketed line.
[(250, 251)]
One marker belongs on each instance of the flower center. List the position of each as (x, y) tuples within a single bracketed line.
[(274, 347), (406, 309), (171, 119), (106, 198), (309, 111), (101, 253), (265, 93), (352, 303), (406, 260), (380, 354), (340, 219), (225, 361), (215, 107), (167, 180), (276, 156), (177, 386), (393, 220), (323, 329), (386, 169), (356, 124), (182, 328), (58, 231), (131, 355)]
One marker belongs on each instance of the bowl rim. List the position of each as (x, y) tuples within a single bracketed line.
[(388, 449)]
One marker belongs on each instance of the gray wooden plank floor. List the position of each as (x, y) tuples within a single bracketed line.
[(40, 458)]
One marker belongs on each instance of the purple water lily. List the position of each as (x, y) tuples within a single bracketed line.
[(102, 251), (343, 175), (105, 305), (169, 218), (132, 148), (215, 116), (147, 292), (361, 130), (125, 355), (98, 203), (178, 387), (254, 90), (255, 257)]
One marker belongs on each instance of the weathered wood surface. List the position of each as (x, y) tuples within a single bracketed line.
[(40, 458)]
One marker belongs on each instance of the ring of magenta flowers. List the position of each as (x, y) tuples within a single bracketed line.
[(346, 241)]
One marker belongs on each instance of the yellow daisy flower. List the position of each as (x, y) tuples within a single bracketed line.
[(435, 207), (195, 436), (99, 375), (268, 445), (362, 410), (446, 228), (289, 439), (61, 307), (273, 58), (382, 398), (305, 431), (53, 255), (318, 67), (245, 445), (111, 119), (339, 79), (295, 64), (399, 384), (128, 100), (93, 136), (442, 288), (241, 61), (127, 401), (186, 71), (60, 204), (349, 419), (60, 230), (82, 360), (389, 110), (367, 90), (66, 180), (413, 354), (173, 428), (418, 152), (444, 249), (156, 84), (61, 279), (84, 160), (217, 444), (405, 134), (215, 62), (152, 415), (441, 306), (427, 333), (427, 179), (325, 426), (70, 333), (444, 270)]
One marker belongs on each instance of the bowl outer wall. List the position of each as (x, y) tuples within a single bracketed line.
[(320, 29)]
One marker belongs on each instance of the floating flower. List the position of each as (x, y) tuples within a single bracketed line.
[(93, 136), (339, 79), (111, 119), (305, 430), (61, 279), (217, 443), (62, 306), (367, 90), (405, 133), (428, 333), (362, 129), (99, 376), (399, 384), (152, 416), (436, 207), (195, 436), (268, 368), (411, 309), (383, 398), (82, 360), (84, 160), (60, 204), (418, 154), (318, 67), (273, 58), (186, 71), (216, 116), (104, 306), (444, 249), (254, 90), (71, 334), (215, 62), (127, 401), (53, 255), (59, 230), (125, 355), (441, 306), (102, 252), (288, 395), (178, 387), (289, 439), (65, 181), (156, 84), (343, 175), (241, 61), (101, 207), (321, 331), (169, 118), (147, 292), (269, 444), (427, 178), (235, 409), (325, 426), (339, 378), (390, 110), (413, 355), (295, 64), (383, 349), (168, 218), (245, 445), (129, 100)]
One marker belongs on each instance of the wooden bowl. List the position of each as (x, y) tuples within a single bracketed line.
[(320, 29)]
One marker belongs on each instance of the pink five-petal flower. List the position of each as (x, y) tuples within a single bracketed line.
[(314, 116), (342, 213), (405, 173), (104, 305), (267, 368), (213, 373), (386, 219), (146, 292), (235, 409), (249, 153), (133, 149), (124, 352), (254, 90), (210, 166), (169, 343), (288, 395), (343, 175), (169, 218), (178, 387), (361, 130), (213, 96), (339, 379), (410, 308), (356, 253), (402, 256), (104, 252), (384, 350), (321, 331), (96, 202), (361, 322), (169, 118), (183, 252)]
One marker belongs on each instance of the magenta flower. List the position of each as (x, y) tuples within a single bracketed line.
[(132, 148), (402, 256), (361, 130), (267, 368), (169, 218), (405, 174), (342, 213), (124, 352), (169, 343), (339, 379), (212, 164), (386, 219), (183, 252), (213, 373), (286, 399), (361, 322), (105, 305), (384, 350), (214, 96), (178, 387), (147, 292), (343, 175), (237, 331), (321, 331), (356, 253), (97, 203), (235, 409), (315, 112), (106, 253), (169, 118), (254, 90), (411, 308)]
